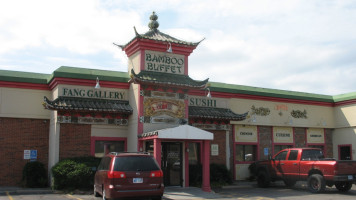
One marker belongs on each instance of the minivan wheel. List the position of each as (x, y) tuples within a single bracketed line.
[(157, 198), (96, 194), (104, 195)]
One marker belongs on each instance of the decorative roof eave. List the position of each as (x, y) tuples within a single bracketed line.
[(176, 80), (215, 113), (88, 104), (158, 40)]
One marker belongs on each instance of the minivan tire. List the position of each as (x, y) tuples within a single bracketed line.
[(96, 194), (157, 198)]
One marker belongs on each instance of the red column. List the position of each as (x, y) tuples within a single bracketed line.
[(157, 150), (186, 161), (206, 166)]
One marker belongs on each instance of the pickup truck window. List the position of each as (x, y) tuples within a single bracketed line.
[(281, 156), (312, 155), (293, 155)]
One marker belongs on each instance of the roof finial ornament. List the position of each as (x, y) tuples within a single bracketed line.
[(153, 25)]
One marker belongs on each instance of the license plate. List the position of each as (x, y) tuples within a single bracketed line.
[(350, 177), (137, 180)]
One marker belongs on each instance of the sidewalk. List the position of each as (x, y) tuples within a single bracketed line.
[(170, 193)]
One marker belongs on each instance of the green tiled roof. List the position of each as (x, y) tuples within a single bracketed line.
[(167, 79), (155, 34), (91, 74), (25, 77), (344, 97), (240, 89), (88, 104), (215, 113)]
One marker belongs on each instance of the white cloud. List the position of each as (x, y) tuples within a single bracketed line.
[(264, 43)]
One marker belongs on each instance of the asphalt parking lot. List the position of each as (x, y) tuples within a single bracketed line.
[(242, 191)]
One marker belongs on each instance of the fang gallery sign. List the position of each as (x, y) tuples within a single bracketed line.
[(92, 93)]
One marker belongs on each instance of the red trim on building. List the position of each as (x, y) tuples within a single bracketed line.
[(86, 82), (258, 97), (347, 102), (34, 86), (152, 45)]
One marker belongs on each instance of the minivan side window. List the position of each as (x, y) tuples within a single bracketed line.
[(104, 163)]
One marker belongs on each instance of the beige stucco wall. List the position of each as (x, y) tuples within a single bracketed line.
[(23, 103), (345, 116), (109, 131), (342, 136), (317, 116)]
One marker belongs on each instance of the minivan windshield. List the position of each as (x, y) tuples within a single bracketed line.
[(135, 163)]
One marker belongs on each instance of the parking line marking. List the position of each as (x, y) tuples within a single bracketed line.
[(8, 195), (71, 197)]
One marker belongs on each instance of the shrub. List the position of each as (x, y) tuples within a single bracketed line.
[(195, 175), (220, 174), (34, 175), (74, 173)]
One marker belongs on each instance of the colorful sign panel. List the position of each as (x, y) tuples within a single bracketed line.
[(245, 133), (164, 62), (160, 107), (283, 135), (315, 136)]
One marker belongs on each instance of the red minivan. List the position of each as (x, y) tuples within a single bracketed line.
[(128, 175)]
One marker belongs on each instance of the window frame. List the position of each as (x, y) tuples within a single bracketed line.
[(93, 139)]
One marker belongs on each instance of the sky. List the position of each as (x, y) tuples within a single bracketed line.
[(296, 45)]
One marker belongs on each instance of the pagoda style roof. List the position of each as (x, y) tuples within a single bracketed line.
[(215, 113), (159, 78), (155, 34), (88, 104)]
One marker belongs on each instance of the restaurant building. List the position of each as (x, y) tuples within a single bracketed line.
[(156, 107)]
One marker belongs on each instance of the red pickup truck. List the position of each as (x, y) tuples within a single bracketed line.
[(306, 164)]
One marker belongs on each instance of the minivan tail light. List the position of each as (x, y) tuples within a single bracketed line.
[(157, 173), (116, 174)]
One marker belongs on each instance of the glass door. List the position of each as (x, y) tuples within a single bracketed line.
[(172, 163)]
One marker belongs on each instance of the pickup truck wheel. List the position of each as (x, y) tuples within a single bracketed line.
[(289, 183), (343, 186), (316, 183), (263, 179)]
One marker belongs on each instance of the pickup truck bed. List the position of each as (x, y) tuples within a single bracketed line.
[(306, 164)]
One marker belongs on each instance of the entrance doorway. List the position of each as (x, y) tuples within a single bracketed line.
[(171, 163), (345, 152)]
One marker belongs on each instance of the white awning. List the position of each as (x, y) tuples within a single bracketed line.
[(182, 132)]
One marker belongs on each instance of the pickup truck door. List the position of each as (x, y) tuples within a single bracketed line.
[(291, 165), (279, 162)]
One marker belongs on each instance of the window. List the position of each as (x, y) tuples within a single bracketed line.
[(104, 163), (103, 147), (281, 156), (293, 155), (312, 155), (135, 163), (246, 153), (194, 152), (278, 148)]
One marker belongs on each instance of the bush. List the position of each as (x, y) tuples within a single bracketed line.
[(34, 175), (195, 175), (220, 174), (74, 173)]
